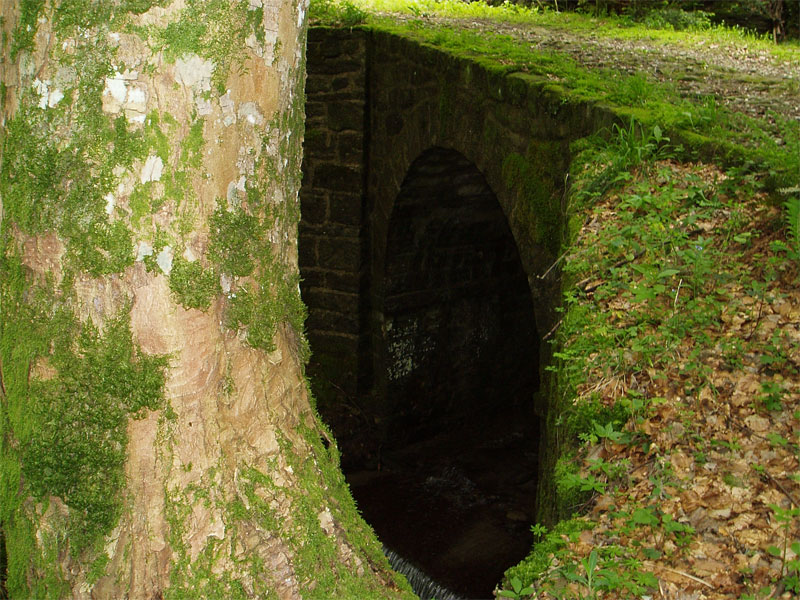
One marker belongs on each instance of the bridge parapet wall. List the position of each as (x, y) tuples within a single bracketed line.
[(514, 128), (376, 102)]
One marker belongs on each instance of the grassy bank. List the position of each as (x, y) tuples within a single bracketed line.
[(676, 391)]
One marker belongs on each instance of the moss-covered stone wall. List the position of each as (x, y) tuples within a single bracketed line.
[(516, 130), (332, 201), (421, 97)]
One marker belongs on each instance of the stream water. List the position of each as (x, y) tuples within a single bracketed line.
[(457, 506), (423, 586)]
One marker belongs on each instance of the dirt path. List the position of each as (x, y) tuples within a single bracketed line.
[(743, 79)]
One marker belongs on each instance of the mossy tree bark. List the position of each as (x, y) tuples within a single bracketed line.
[(157, 435)]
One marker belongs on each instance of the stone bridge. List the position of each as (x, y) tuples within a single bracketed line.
[(432, 213)]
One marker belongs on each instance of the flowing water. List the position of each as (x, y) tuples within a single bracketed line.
[(456, 507), (423, 586)]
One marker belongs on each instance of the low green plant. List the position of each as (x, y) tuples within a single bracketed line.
[(792, 217), (790, 567), (675, 19), (771, 395), (591, 578), (623, 149), (517, 591)]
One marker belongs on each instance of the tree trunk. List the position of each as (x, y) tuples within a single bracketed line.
[(157, 435)]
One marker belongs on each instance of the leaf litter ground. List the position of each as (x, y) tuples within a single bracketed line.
[(690, 317)]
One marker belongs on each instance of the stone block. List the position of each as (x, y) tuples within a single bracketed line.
[(340, 83), (350, 147), (311, 278), (342, 345), (316, 84), (354, 46), (345, 209), (313, 207), (516, 88), (307, 252), (346, 116), (326, 320), (337, 230), (318, 145), (343, 281), (330, 300), (393, 123), (337, 178), (337, 67), (316, 110), (339, 254)]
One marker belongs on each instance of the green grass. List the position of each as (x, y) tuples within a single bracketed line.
[(702, 123), (617, 27)]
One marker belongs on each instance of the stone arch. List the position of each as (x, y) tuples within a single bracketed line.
[(457, 315), (459, 346), (419, 98)]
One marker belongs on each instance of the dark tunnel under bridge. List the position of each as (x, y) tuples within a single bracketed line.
[(431, 214)]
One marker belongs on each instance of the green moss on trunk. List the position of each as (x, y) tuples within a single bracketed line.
[(69, 390)]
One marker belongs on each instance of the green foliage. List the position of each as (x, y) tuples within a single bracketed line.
[(771, 143), (517, 591), (792, 217), (335, 12), (618, 153), (670, 270), (772, 395), (675, 19), (790, 567), (543, 552), (637, 91)]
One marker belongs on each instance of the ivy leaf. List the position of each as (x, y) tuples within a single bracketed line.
[(644, 516)]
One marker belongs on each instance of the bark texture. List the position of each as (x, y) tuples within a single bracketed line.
[(158, 438)]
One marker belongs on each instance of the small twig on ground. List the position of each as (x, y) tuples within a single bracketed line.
[(779, 485), (687, 575), (678, 291), (553, 330), (758, 319), (778, 590), (2, 383), (551, 267), (763, 470)]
